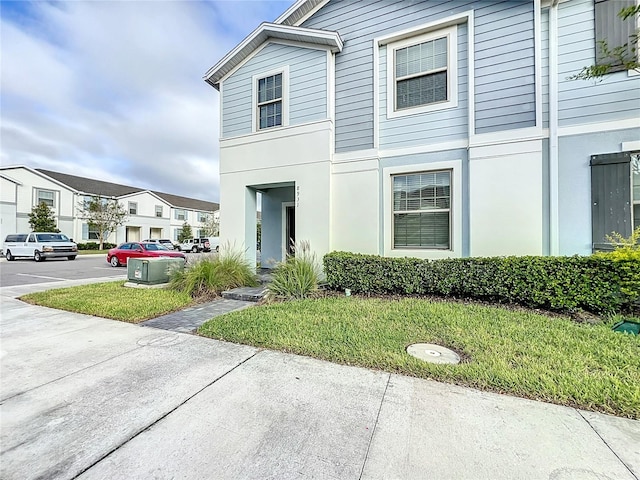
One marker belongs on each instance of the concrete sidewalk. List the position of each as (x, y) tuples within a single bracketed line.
[(86, 397)]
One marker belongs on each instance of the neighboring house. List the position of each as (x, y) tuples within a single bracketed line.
[(151, 214), (430, 129)]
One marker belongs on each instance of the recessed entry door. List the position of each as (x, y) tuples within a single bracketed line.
[(289, 229)]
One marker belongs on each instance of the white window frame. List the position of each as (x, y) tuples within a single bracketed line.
[(184, 213), (435, 210), (160, 210), (135, 207), (451, 34), (255, 117), (455, 208), (53, 200), (203, 217), (176, 233)]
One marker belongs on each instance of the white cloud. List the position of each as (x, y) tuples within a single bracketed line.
[(114, 90)]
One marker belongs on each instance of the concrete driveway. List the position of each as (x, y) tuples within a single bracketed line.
[(84, 397)]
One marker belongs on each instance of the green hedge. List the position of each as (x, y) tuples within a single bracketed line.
[(597, 284), (95, 246)]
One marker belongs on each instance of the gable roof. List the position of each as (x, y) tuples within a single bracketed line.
[(89, 185), (108, 189), (264, 32)]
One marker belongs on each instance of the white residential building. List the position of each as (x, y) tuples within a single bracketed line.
[(151, 214)]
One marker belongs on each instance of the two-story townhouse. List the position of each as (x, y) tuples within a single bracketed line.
[(423, 128), (150, 214)]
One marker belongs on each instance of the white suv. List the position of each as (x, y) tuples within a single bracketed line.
[(195, 245), (39, 246)]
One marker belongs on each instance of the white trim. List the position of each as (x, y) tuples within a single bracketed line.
[(451, 34), (471, 74), (284, 70), (291, 10), (42, 175), (505, 136), (537, 21), (625, 124), (425, 28), (630, 146), (455, 210), (352, 167), (284, 226), (242, 63), (554, 195), (434, 147), (376, 93), (220, 115), (355, 156), (264, 32), (269, 134)]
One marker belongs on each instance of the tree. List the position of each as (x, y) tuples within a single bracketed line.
[(212, 226), (103, 215), (185, 233), (617, 57), (42, 219)]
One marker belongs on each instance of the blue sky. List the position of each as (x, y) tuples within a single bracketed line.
[(113, 90)]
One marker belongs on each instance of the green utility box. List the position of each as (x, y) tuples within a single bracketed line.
[(627, 326), (151, 271)]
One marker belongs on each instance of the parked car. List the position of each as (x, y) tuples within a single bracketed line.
[(162, 241), (214, 244), (39, 246), (195, 245), (119, 255)]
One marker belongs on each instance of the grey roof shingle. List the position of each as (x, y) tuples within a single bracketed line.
[(108, 189)]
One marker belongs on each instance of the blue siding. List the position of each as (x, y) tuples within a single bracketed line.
[(545, 67), (433, 127), (307, 87), (506, 51), (616, 97), (505, 67)]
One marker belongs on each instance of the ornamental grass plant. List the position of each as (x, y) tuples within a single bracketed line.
[(297, 277), (212, 275)]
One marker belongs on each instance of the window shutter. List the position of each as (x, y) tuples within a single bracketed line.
[(610, 197), (85, 231), (612, 28)]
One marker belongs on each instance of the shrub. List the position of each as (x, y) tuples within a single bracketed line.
[(210, 276), (95, 246), (297, 277), (595, 283)]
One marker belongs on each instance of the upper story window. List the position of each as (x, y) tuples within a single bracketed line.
[(133, 208), (158, 210), (422, 73), (615, 43), (180, 214), (203, 217), (45, 196), (270, 101), (270, 97)]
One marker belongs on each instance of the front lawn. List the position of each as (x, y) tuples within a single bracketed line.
[(112, 300), (521, 353), (92, 252)]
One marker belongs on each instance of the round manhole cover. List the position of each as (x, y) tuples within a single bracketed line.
[(430, 352)]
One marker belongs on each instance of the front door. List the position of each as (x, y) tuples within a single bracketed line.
[(290, 230)]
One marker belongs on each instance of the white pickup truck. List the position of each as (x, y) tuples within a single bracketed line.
[(39, 246)]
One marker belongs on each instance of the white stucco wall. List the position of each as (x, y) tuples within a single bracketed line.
[(293, 155), (506, 204)]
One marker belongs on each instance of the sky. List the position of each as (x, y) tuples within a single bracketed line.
[(113, 89)]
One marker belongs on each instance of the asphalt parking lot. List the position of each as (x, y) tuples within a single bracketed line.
[(24, 271)]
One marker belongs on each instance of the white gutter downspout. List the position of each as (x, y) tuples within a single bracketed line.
[(554, 223)]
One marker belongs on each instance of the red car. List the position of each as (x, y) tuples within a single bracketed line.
[(119, 255)]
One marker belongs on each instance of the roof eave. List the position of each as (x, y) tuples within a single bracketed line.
[(263, 33)]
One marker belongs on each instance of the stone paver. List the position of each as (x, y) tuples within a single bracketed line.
[(189, 319)]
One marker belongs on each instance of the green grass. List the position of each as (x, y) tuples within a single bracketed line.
[(112, 300), (515, 352), (92, 252)]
